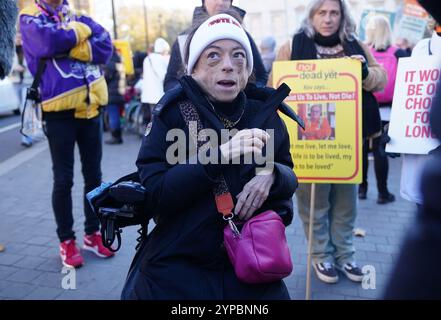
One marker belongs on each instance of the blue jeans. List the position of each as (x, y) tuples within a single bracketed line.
[(113, 111), (334, 219), (62, 135)]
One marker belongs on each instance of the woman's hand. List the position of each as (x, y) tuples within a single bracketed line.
[(244, 142), (364, 65), (358, 57), (253, 195)]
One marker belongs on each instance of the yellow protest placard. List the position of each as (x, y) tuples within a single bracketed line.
[(326, 94), (125, 51)]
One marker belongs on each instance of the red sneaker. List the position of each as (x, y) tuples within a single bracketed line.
[(94, 244), (70, 254)]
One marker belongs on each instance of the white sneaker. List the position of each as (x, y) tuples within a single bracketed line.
[(326, 272), (351, 271)]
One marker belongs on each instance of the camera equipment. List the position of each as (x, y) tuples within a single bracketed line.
[(118, 205)]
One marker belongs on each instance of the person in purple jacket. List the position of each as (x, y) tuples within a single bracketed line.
[(72, 88)]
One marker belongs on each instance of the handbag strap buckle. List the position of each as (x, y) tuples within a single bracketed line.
[(233, 228)]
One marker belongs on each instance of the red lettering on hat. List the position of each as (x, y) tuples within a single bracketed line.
[(237, 24), (224, 20)]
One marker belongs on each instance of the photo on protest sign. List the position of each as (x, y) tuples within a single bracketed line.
[(326, 94), (319, 121), (415, 87)]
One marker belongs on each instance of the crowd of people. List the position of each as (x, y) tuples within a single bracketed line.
[(214, 74)]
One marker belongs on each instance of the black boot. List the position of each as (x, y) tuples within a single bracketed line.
[(362, 191), (385, 198), (116, 137)]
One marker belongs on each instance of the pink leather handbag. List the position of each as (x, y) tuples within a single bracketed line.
[(259, 252)]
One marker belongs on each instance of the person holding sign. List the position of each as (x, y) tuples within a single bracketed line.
[(317, 127), (327, 32), (379, 39), (422, 245), (413, 164)]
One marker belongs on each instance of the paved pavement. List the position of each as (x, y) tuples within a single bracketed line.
[(30, 267), (10, 137)]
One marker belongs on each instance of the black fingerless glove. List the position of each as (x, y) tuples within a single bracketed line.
[(364, 70)]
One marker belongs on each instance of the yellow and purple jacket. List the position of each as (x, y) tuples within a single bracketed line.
[(75, 46)]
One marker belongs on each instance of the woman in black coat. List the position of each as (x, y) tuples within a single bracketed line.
[(184, 257)]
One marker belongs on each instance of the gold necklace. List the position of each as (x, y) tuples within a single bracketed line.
[(228, 124)]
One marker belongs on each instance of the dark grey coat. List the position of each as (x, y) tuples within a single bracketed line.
[(8, 18)]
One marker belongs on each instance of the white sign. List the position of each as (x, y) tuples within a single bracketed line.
[(415, 87), (411, 28)]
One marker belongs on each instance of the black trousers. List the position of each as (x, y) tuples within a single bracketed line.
[(62, 135), (381, 165)]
